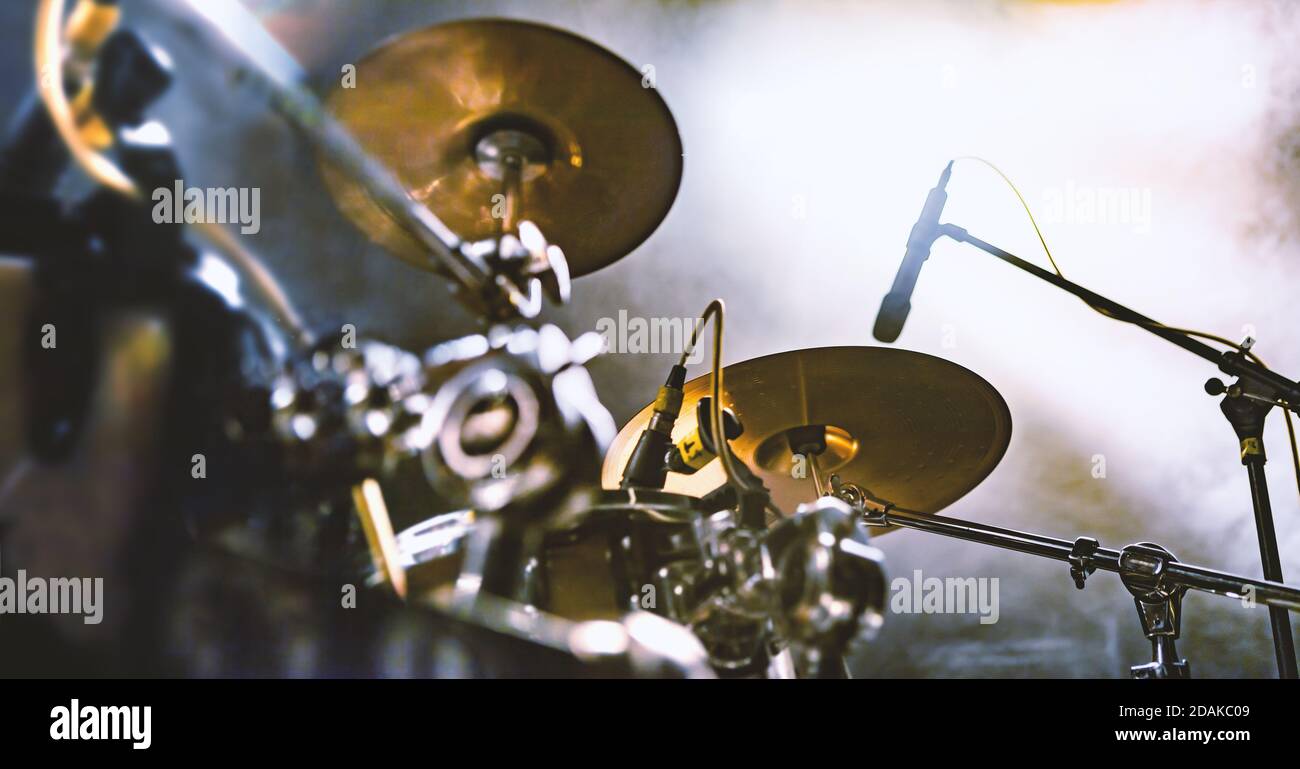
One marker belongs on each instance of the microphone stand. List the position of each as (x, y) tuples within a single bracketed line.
[(1245, 406)]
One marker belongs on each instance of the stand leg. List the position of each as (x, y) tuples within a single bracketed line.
[(1283, 644), (1246, 415)]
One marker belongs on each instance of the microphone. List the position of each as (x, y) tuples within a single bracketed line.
[(647, 467), (898, 302), (698, 448)]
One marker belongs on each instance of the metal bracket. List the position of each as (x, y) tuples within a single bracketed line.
[(872, 511), (1142, 569), (1081, 565)]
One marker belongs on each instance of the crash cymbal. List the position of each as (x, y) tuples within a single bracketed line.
[(910, 428), (598, 153)]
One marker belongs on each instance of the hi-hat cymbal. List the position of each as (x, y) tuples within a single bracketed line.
[(601, 158), (910, 428)]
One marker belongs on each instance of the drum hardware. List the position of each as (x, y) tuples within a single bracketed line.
[(392, 399), (856, 497), (752, 502), (373, 512), (335, 410), (1105, 559), (1081, 565), (432, 555), (603, 558), (1240, 362), (499, 423), (1156, 579), (497, 552), (830, 585), (712, 592), (744, 593), (107, 253), (508, 425), (370, 397), (809, 443), (725, 594), (812, 584), (439, 537), (1159, 607), (638, 644)]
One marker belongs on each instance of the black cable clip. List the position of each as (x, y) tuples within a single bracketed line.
[(1081, 565)]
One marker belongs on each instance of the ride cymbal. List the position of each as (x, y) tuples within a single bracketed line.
[(910, 428), (490, 120)]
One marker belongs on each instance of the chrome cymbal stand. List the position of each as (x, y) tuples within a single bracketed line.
[(1151, 573), (1159, 605)]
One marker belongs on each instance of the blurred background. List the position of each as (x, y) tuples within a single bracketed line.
[(1157, 142)]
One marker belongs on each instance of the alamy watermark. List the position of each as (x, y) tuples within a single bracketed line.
[(57, 595), (179, 204), (1080, 204), (634, 334), (90, 722), (951, 595)]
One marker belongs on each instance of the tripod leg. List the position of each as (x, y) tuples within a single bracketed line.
[(1283, 644), (1246, 415)]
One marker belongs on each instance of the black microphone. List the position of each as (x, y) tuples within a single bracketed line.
[(898, 302), (647, 467)]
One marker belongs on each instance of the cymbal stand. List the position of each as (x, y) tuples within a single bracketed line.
[(1159, 607), (1247, 419), (1104, 559), (1156, 579), (809, 442)]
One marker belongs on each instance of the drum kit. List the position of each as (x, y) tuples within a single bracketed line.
[(725, 530)]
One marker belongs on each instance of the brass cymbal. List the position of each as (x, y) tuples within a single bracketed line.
[(910, 428), (600, 158)]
